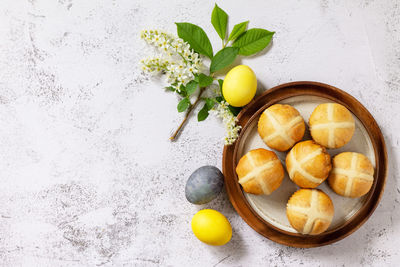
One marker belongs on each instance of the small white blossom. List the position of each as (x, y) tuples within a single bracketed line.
[(229, 120), (178, 61)]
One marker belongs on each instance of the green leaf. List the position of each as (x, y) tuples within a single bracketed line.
[(170, 88), (183, 104), (219, 99), (237, 30), (191, 87), (219, 19), (205, 80), (196, 37), (182, 90), (203, 113), (234, 110), (253, 41), (220, 82), (210, 103), (223, 58)]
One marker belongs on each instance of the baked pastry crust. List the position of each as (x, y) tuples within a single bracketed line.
[(260, 172), (281, 126), (308, 164), (310, 211), (352, 175), (331, 125)]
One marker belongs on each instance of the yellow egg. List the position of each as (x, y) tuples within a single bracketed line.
[(240, 86), (211, 227)]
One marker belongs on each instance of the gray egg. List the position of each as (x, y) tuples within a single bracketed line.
[(204, 184)]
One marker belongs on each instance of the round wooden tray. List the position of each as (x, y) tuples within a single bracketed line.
[(240, 200)]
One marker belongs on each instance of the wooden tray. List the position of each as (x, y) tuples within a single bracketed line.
[(266, 214)]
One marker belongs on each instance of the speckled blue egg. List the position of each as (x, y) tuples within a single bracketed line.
[(204, 185)]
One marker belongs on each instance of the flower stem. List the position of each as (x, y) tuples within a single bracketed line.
[(224, 44), (187, 114)]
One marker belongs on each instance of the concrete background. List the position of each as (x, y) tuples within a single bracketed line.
[(88, 175)]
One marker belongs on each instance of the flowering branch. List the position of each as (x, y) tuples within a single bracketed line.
[(182, 67), (182, 63)]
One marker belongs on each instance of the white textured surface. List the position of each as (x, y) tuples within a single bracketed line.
[(88, 175)]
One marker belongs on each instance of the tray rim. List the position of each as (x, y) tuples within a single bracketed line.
[(272, 96)]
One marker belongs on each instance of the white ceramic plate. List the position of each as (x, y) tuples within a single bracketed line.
[(272, 208)]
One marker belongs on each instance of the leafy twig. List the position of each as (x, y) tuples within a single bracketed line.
[(183, 67), (187, 114)]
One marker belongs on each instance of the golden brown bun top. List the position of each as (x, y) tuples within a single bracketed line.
[(352, 174), (308, 164), (310, 211), (344, 160), (260, 172), (340, 114), (257, 157), (331, 125), (281, 126), (284, 113)]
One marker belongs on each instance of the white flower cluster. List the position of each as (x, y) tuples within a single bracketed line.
[(179, 62), (221, 110)]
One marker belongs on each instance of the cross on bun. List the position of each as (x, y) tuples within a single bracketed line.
[(308, 164), (352, 174), (310, 211), (331, 125), (260, 172), (281, 126)]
